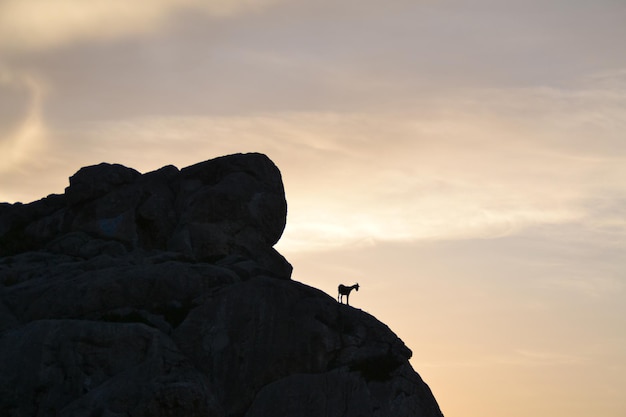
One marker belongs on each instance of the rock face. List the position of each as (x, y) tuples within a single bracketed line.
[(161, 295)]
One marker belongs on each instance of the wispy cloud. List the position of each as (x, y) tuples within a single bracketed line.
[(479, 165), (26, 136), (40, 24)]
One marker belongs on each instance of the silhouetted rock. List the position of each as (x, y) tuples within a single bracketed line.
[(233, 205), (161, 295)]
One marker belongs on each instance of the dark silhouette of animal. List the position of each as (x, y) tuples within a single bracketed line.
[(345, 290)]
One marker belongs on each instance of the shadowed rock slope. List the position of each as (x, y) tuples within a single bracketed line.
[(161, 295)]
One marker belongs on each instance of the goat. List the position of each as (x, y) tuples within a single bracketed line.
[(345, 290)]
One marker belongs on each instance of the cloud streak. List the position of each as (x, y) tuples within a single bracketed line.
[(464, 168), (26, 138), (42, 24)]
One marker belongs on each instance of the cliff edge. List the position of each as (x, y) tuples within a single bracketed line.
[(161, 295)]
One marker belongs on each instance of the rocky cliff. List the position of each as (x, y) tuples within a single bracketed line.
[(161, 295)]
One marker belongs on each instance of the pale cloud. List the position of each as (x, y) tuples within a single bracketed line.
[(40, 24), (479, 165), (25, 137)]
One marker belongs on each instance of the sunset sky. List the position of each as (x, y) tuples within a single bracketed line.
[(464, 161)]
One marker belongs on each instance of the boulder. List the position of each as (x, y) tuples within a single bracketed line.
[(232, 205)]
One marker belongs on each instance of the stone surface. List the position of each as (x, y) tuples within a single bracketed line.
[(161, 295)]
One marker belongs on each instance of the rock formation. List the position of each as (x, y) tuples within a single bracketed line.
[(161, 295)]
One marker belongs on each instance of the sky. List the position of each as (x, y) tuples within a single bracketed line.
[(464, 161)]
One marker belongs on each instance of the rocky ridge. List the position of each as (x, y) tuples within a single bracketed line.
[(161, 295)]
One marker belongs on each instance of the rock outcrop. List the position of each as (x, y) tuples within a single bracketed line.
[(161, 295), (233, 205)]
